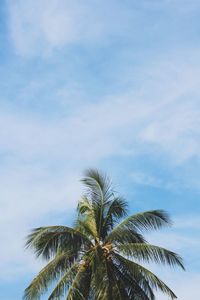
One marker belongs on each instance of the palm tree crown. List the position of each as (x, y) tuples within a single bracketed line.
[(99, 258)]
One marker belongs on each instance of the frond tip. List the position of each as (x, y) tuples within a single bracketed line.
[(150, 253)]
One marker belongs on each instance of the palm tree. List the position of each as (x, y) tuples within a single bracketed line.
[(99, 258)]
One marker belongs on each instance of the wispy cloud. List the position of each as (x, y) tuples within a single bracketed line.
[(38, 27), (141, 178), (164, 119), (182, 239), (188, 221), (185, 287), (127, 124), (45, 25), (29, 194), (155, 114)]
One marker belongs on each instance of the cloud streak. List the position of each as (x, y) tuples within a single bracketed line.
[(128, 124), (154, 112), (167, 121), (47, 25)]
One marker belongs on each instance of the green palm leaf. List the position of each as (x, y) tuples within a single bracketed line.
[(116, 210), (148, 220), (140, 273), (99, 185), (80, 286), (98, 259), (151, 253), (64, 283), (131, 285), (46, 241), (47, 275)]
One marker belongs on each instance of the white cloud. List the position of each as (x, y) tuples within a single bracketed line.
[(28, 196), (36, 23), (181, 243), (96, 131), (42, 159), (142, 178), (156, 119), (185, 286), (175, 130), (182, 239), (177, 238), (188, 221), (162, 118), (40, 26)]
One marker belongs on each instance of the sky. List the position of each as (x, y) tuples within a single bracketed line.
[(113, 85)]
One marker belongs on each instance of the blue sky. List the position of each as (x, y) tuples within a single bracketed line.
[(107, 84)]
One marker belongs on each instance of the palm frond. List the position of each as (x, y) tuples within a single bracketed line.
[(87, 227), (140, 272), (91, 260), (80, 287), (47, 275), (142, 221), (151, 253), (118, 290), (124, 235), (131, 287), (46, 241), (64, 283), (99, 193), (115, 211), (85, 207), (98, 184)]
